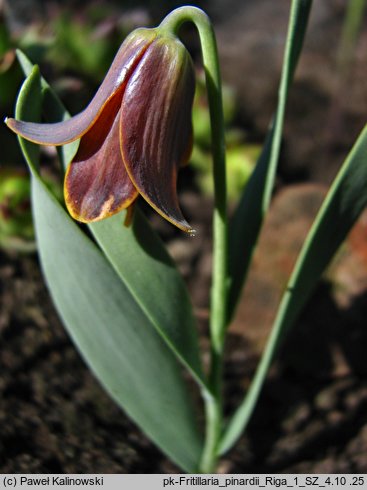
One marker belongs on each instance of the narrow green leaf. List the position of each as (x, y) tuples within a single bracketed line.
[(142, 263), (248, 218), (29, 107), (110, 329), (52, 107), (343, 205), (113, 335)]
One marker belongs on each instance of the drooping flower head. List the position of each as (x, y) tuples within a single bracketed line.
[(134, 135)]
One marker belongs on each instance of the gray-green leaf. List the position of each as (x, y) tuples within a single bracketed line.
[(341, 208), (248, 218)]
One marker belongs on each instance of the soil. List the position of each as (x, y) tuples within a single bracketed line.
[(311, 417), (312, 414)]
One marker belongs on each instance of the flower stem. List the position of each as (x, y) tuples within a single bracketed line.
[(218, 316)]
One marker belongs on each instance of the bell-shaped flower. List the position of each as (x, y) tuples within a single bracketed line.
[(134, 135)]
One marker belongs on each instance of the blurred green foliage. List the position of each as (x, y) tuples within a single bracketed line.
[(16, 228), (10, 74), (241, 155), (87, 45)]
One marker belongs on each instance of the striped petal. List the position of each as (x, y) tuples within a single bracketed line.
[(96, 182), (125, 62), (156, 129)]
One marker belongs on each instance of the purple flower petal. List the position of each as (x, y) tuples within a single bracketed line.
[(96, 183), (125, 62), (156, 129)]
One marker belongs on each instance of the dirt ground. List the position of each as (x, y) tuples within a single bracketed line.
[(312, 414)]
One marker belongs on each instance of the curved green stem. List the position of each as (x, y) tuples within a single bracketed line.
[(219, 292)]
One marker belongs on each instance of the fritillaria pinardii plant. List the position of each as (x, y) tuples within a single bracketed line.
[(120, 296)]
